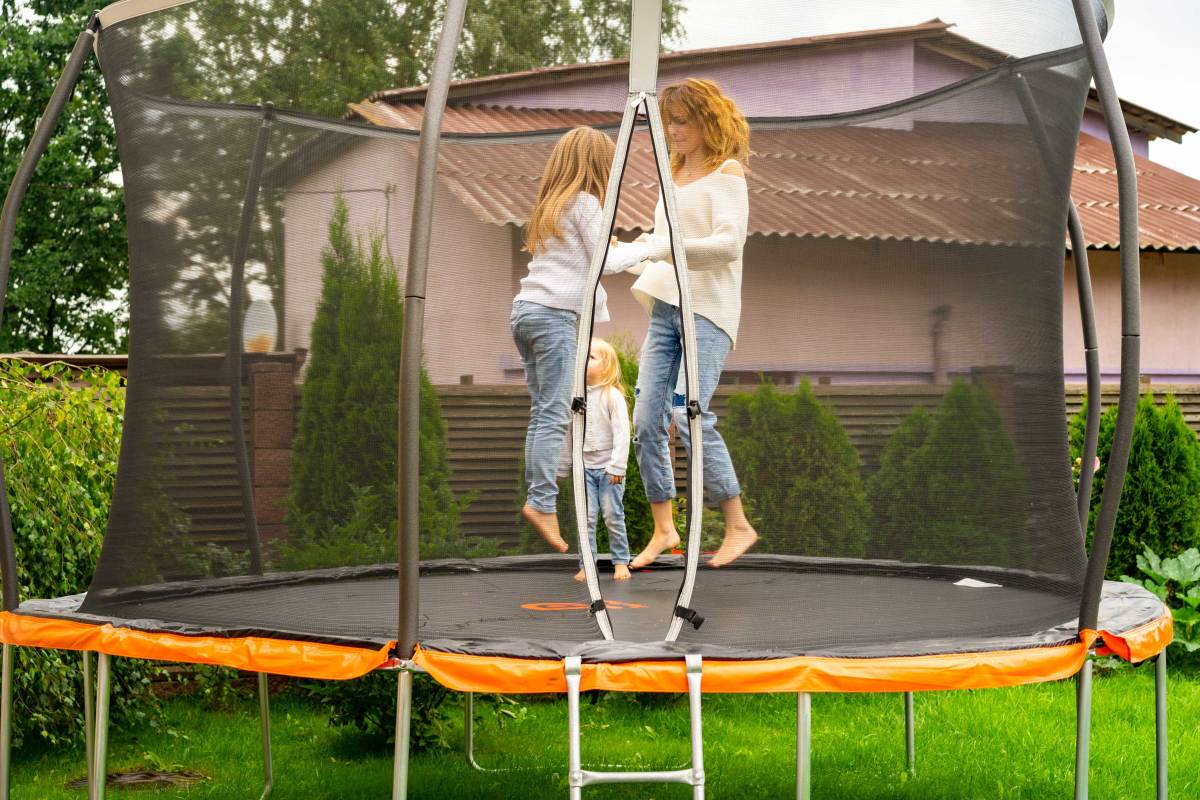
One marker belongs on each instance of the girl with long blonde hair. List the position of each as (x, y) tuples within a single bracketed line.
[(606, 454), (709, 140), (564, 229)]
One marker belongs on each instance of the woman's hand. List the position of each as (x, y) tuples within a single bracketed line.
[(615, 479), (642, 237)]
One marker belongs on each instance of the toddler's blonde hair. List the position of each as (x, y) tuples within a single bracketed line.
[(610, 365)]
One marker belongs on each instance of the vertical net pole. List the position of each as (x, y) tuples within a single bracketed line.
[(237, 286), (1118, 461), (409, 456), (8, 229)]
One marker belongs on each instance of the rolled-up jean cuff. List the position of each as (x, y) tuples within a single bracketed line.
[(551, 510)]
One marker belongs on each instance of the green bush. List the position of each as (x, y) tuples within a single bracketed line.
[(61, 438), (1160, 503), (342, 506), (800, 471), (948, 489), (1175, 581), (369, 704)]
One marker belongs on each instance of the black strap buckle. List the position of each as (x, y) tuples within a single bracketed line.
[(579, 404), (689, 615), (693, 409), (597, 607)]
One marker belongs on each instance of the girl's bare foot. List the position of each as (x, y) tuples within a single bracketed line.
[(581, 576), (546, 525), (658, 543), (621, 572)]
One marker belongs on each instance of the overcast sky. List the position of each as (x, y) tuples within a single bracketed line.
[(1152, 48)]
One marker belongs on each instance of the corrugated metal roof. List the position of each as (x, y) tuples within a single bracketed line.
[(941, 182)]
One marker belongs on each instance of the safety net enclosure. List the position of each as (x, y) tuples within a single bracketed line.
[(338, 418), (833, 269), (901, 249)]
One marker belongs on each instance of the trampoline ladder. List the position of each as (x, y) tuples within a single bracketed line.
[(577, 777)]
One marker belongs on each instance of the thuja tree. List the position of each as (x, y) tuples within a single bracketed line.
[(799, 470), (949, 485), (343, 503), (1160, 502)]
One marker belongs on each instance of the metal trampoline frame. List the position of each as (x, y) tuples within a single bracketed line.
[(1093, 18)]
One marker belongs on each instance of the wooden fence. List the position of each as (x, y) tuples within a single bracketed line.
[(487, 431)]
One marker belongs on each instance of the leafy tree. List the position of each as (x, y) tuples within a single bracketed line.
[(308, 55), (66, 290), (799, 470), (1160, 501)]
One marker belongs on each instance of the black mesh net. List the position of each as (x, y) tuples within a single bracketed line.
[(889, 387)]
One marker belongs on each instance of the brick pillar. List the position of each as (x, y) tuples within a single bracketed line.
[(272, 427)]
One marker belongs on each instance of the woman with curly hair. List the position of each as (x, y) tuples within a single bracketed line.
[(709, 140)]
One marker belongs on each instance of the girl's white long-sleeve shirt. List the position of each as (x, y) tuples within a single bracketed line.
[(557, 275), (606, 440), (715, 210)]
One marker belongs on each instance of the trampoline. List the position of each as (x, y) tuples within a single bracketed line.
[(943, 550)]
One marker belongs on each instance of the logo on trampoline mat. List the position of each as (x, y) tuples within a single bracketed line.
[(562, 606)]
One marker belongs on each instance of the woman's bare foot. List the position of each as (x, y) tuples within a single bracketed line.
[(665, 537), (621, 572), (581, 576), (740, 535), (658, 543), (546, 525), (735, 544)]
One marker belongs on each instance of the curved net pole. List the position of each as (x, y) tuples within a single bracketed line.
[(1087, 307), (237, 287), (409, 455), (643, 71), (1130, 313), (643, 74), (1091, 354), (8, 228)]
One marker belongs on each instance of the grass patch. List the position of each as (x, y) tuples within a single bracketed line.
[(1000, 743)]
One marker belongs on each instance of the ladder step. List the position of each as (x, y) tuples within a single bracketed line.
[(687, 776)]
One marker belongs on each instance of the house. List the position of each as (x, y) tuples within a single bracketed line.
[(844, 221)]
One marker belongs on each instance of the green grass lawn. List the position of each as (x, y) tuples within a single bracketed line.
[(1000, 743)]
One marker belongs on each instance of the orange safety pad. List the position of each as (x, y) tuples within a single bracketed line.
[(1138, 644), (469, 673), (251, 653)]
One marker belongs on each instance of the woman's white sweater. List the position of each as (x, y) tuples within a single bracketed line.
[(714, 211)]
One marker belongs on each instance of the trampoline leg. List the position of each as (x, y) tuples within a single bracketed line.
[(1160, 725), (403, 728), (100, 760), (910, 735), (469, 732), (89, 717), (572, 668), (694, 666), (264, 713), (5, 720), (1083, 728), (803, 746)]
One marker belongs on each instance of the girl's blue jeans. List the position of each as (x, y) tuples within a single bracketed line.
[(609, 499), (545, 338)]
